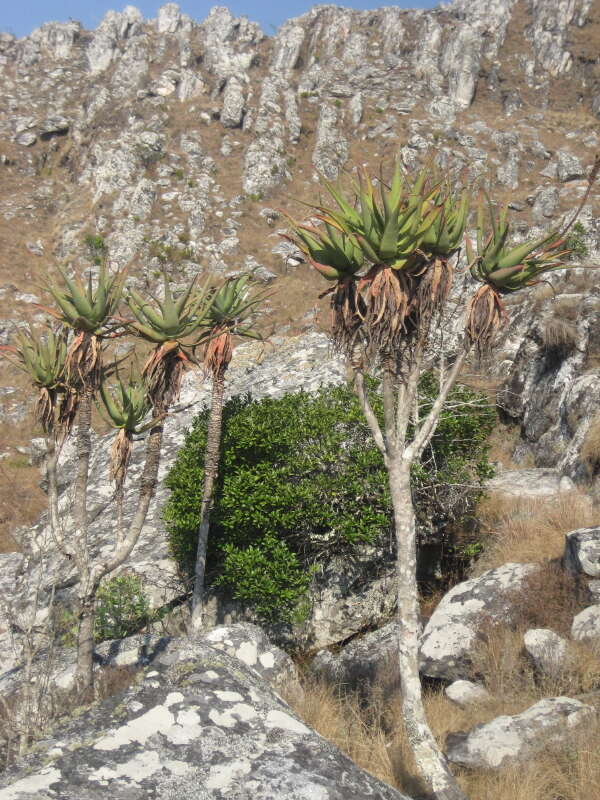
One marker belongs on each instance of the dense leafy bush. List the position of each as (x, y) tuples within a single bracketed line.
[(122, 608), (301, 479)]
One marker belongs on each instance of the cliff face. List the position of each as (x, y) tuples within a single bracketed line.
[(175, 140)]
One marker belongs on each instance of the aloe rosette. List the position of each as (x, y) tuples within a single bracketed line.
[(44, 360), (125, 406), (504, 268), (89, 311), (175, 327)]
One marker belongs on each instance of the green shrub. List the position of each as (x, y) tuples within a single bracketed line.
[(122, 608), (96, 246), (575, 242), (301, 480)]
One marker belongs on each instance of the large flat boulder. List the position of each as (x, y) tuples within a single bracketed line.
[(462, 616), (199, 724)]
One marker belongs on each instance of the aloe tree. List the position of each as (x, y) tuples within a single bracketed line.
[(230, 314), (390, 312)]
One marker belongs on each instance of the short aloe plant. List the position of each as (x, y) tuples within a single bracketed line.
[(125, 407)]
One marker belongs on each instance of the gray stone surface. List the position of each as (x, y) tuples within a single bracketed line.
[(462, 616), (199, 724), (467, 693), (362, 660), (530, 483), (582, 552), (548, 650), (568, 167), (243, 640), (507, 741), (586, 625)]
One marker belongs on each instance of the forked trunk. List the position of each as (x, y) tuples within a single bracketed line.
[(211, 470), (431, 762)]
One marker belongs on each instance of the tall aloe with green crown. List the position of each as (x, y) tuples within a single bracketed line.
[(232, 311), (391, 261), (89, 312)]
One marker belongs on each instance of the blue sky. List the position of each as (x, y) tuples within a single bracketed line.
[(21, 18)]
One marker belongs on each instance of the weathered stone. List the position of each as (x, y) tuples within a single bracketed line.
[(582, 551), (547, 649), (467, 693), (546, 202), (360, 662), (530, 483), (593, 588), (568, 167), (462, 615), (586, 625), (200, 724), (233, 104), (507, 741)]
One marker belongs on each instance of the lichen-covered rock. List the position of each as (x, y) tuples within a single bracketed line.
[(512, 740), (233, 103), (203, 725), (568, 167), (462, 615), (586, 625), (582, 552), (530, 483), (360, 661), (467, 693), (548, 650)]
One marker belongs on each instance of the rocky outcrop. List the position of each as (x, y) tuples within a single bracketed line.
[(199, 723), (246, 642), (507, 741)]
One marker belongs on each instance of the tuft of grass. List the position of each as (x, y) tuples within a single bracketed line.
[(529, 530), (559, 335), (590, 448)]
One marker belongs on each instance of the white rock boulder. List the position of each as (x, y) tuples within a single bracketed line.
[(511, 740)]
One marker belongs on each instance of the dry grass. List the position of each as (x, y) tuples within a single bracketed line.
[(367, 724), (590, 449), (529, 530), (369, 730), (559, 334)]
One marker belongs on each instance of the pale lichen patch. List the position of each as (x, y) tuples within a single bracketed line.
[(31, 784), (278, 719)]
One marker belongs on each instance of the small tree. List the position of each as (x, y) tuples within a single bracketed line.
[(388, 251), (230, 312)]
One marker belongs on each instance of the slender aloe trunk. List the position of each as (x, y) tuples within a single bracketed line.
[(93, 574), (429, 759), (211, 470), (85, 625)]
